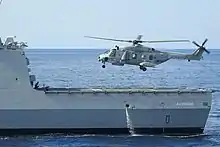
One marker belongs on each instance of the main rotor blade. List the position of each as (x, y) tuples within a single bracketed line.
[(108, 39), (161, 41)]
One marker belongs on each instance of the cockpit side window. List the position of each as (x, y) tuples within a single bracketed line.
[(113, 52)]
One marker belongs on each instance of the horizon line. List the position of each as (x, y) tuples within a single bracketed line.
[(65, 48)]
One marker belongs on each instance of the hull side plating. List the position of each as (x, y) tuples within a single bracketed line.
[(109, 121)]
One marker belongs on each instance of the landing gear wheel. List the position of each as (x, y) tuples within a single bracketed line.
[(144, 68), (103, 66)]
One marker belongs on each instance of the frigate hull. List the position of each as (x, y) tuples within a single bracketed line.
[(27, 109), (102, 121), (105, 111)]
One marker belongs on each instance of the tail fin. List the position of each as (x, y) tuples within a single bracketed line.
[(198, 52)]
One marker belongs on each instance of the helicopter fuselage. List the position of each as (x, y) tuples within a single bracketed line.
[(134, 55), (144, 56)]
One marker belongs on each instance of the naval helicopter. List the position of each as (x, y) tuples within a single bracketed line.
[(145, 56)]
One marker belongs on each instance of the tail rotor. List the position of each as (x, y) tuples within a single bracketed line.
[(202, 46)]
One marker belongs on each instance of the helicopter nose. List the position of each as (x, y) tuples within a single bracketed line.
[(102, 58)]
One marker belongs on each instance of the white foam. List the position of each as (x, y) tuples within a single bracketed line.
[(129, 123)]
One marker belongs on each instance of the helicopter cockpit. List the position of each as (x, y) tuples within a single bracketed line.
[(111, 53)]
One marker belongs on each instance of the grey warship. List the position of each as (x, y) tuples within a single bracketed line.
[(27, 109)]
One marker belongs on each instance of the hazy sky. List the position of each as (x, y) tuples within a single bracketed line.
[(64, 23)]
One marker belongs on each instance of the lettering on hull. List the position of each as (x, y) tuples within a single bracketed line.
[(185, 104)]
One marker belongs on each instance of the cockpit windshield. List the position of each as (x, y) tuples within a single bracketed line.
[(106, 52)]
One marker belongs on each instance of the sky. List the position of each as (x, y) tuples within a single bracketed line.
[(64, 23)]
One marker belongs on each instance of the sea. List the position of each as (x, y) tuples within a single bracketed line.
[(80, 68)]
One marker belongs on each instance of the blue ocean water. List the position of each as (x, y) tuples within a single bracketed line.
[(80, 68)]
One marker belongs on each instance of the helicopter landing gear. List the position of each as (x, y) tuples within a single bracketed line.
[(103, 66), (143, 68)]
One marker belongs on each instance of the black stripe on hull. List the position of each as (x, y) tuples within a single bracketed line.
[(105, 131)]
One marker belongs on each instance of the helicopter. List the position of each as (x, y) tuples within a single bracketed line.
[(145, 56)]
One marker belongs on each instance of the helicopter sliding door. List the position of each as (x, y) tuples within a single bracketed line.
[(132, 58)]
